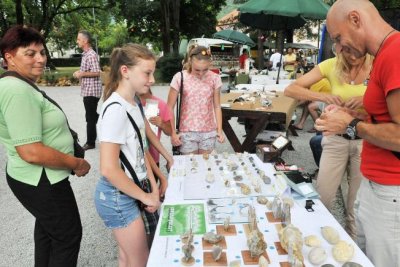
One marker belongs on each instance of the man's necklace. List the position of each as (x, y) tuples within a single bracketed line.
[(376, 54), (383, 40)]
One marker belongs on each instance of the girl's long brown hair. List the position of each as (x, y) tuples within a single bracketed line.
[(129, 56)]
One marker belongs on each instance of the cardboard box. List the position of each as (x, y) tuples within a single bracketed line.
[(270, 152)]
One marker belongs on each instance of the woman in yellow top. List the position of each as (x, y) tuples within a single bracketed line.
[(348, 77)]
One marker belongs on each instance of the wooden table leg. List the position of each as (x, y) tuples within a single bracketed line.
[(248, 144), (230, 135)]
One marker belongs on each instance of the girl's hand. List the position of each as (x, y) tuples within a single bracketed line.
[(156, 121), (163, 188), (220, 137), (175, 139), (152, 201)]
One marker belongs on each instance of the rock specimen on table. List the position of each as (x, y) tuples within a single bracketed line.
[(330, 234), (187, 255), (262, 200), (210, 177), (256, 243), (351, 264), (187, 237), (343, 251), (288, 200), (290, 236), (262, 262), (277, 207), (312, 241), (227, 223), (216, 252), (212, 238), (245, 189), (317, 255), (266, 179), (206, 156), (286, 215)]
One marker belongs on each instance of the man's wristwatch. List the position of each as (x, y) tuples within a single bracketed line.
[(351, 129)]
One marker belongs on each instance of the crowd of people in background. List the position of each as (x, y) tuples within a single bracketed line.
[(353, 99)]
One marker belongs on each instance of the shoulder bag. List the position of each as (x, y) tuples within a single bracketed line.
[(175, 149)]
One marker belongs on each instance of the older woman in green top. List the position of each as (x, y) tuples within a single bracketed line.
[(40, 151)]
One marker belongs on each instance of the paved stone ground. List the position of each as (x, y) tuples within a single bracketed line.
[(98, 247)]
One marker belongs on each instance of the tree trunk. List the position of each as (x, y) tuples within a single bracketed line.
[(165, 29), (176, 22), (18, 12)]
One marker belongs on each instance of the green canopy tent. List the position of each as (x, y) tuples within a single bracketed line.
[(281, 15), (235, 37)]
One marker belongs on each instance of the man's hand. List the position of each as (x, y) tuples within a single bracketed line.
[(334, 120), (77, 74)]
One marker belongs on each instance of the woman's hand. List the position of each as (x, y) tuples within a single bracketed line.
[(82, 168), (157, 121), (354, 103), (175, 139), (332, 99), (220, 137)]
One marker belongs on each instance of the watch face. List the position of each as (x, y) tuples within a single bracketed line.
[(350, 131)]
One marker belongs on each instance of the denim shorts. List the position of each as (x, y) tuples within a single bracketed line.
[(116, 209)]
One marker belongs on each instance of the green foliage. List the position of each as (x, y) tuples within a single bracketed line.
[(113, 36), (168, 65), (386, 4), (199, 17)]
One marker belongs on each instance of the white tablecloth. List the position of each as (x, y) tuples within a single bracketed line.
[(167, 250)]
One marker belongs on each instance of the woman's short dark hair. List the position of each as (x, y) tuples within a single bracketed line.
[(19, 36)]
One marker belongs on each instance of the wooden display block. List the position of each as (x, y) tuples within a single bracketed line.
[(285, 264), (271, 218), (231, 230), (208, 246), (280, 249), (248, 260), (209, 261), (188, 263)]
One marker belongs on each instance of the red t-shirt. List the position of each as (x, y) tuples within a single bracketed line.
[(378, 164)]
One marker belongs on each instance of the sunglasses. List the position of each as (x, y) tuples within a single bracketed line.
[(203, 52)]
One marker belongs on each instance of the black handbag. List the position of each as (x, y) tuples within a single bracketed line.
[(175, 149), (79, 152)]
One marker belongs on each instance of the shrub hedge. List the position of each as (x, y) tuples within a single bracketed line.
[(73, 62), (168, 65)]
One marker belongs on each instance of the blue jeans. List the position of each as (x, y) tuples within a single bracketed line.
[(116, 209)]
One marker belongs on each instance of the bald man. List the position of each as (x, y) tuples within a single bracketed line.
[(356, 27)]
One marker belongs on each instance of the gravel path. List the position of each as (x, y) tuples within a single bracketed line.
[(98, 247)]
